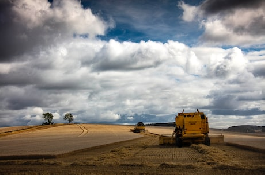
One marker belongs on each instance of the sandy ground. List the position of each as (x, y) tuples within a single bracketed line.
[(141, 154)]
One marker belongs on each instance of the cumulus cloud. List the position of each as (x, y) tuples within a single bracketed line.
[(188, 78), (229, 22), (234, 63), (34, 116)]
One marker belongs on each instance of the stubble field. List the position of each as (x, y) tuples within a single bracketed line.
[(113, 149)]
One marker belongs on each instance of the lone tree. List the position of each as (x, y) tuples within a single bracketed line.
[(48, 116), (69, 117)]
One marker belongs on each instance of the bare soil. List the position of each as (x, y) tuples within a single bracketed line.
[(142, 155)]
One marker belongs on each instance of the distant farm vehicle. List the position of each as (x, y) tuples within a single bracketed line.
[(190, 128), (139, 127)]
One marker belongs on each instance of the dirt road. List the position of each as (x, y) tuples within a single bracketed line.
[(143, 155)]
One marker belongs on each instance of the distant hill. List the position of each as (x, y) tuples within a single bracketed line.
[(241, 128), (246, 128)]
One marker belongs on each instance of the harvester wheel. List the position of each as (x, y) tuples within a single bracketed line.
[(207, 141), (178, 142)]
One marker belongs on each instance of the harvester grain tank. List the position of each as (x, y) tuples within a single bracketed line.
[(190, 127)]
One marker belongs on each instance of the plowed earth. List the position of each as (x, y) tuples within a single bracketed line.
[(144, 156)]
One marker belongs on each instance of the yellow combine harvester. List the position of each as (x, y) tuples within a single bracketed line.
[(190, 127), (139, 127)]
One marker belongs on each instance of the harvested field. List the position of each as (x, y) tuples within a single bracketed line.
[(139, 155), (62, 139), (254, 141)]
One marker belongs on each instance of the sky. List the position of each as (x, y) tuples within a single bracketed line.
[(125, 61)]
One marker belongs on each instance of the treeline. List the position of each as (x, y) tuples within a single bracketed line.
[(171, 124)]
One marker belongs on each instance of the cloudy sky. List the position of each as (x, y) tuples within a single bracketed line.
[(117, 61)]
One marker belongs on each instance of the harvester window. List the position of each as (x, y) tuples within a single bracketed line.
[(202, 116)]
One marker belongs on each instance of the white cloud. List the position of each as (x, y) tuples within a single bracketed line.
[(189, 12), (34, 116), (109, 116), (56, 116), (5, 68), (233, 64), (34, 120), (256, 55), (37, 111), (32, 13)]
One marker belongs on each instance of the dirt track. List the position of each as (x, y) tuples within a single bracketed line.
[(143, 155)]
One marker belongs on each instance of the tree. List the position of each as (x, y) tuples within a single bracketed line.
[(69, 117), (48, 116)]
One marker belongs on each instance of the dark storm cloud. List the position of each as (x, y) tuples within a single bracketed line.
[(30, 26), (122, 66), (232, 102), (256, 26), (8, 46), (17, 98), (225, 101), (259, 71), (18, 78), (8, 119), (217, 6), (17, 103), (63, 85), (16, 38), (256, 97)]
